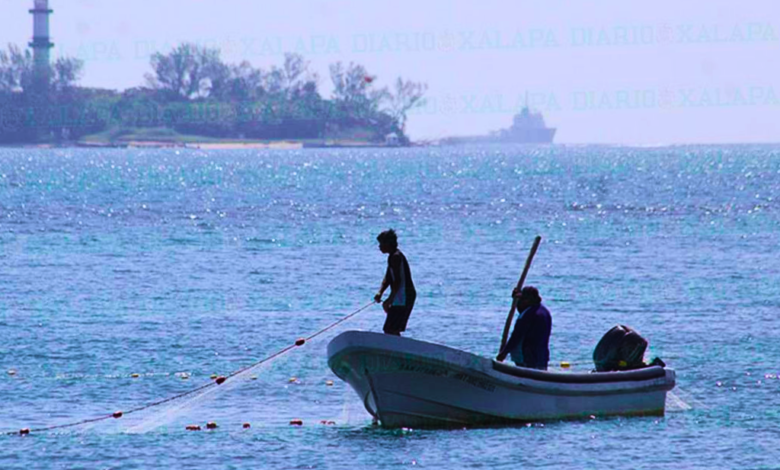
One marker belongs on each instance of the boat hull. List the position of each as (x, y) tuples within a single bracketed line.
[(529, 136), (408, 383)]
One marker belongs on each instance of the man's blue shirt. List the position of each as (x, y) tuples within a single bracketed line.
[(529, 344)]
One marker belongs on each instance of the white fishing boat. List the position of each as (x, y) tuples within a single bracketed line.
[(415, 384)]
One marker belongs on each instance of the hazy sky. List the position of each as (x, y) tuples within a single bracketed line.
[(607, 71)]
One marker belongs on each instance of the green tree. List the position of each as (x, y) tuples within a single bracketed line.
[(17, 69), (293, 79), (244, 84), (66, 72), (407, 95), (189, 72), (353, 88)]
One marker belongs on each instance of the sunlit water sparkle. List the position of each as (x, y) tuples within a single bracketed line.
[(162, 262)]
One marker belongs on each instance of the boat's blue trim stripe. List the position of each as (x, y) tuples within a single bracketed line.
[(486, 419)]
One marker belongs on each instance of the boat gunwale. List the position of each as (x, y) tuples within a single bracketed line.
[(647, 373)]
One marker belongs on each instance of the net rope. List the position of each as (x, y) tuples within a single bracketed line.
[(202, 388)]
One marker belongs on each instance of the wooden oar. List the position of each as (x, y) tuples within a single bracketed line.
[(509, 318)]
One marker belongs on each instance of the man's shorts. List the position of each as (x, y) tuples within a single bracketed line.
[(397, 317)]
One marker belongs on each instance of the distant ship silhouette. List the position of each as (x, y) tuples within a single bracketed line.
[(528, 127)]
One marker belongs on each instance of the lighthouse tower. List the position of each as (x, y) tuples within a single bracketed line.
[(41, 43)]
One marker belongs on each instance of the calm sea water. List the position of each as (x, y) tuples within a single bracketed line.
[(164, 262)]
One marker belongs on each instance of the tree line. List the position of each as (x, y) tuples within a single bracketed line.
[(191, 90)]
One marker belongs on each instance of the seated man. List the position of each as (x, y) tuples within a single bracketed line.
[(529, 343)]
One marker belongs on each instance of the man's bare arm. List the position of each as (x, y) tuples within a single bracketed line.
[(382, 288)]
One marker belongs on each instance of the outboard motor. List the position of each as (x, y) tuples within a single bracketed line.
[(622, 348)]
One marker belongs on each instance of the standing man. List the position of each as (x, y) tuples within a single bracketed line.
[(398, 305), (529, 344)]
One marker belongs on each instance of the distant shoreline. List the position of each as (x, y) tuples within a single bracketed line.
[(211, 144), (340, 144)]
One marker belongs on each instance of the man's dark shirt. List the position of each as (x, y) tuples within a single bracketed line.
[(399, 275), (398, 268), (531, 336)]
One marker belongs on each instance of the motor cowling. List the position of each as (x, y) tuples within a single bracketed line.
[(621, 348)]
